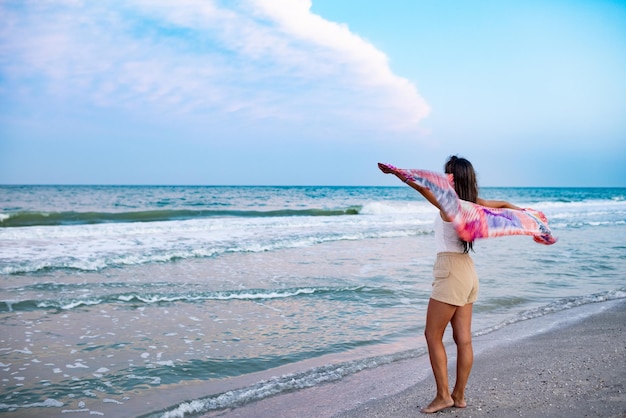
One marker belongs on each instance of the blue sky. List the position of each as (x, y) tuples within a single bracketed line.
[(296, 92)]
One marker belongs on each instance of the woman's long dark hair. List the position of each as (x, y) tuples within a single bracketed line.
[(465, 184)]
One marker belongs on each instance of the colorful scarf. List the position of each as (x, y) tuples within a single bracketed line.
[(473, 221)]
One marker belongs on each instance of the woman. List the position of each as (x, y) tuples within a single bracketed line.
[(455, 287)]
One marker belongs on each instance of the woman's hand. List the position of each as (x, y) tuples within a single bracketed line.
[(389, 169), (385, 168)]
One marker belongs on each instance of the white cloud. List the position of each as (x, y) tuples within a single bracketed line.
[(254, 58)]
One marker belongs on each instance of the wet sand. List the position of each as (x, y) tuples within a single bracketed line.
[(567, 364)]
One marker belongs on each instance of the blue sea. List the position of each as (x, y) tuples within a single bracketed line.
[(176, 301)]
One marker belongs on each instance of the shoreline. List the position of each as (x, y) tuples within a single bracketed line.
[(566, 364)]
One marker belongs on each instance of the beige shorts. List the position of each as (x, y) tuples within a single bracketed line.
[(456, 281)]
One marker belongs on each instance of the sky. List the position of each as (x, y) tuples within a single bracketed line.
[(311, 92)]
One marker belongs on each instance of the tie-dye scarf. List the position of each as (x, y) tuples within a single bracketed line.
[(473, 221)]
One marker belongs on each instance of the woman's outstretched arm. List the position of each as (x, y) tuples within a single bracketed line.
[(428, 195), (497, 204)]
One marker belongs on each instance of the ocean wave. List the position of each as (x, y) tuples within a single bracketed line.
[(136, 299), (48, 403), (557, 306), (608, 204), (86, 250), (397, 207), (285, 383), (554, 209), (22, 219)]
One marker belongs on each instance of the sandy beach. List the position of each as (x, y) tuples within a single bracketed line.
[(568, 364)]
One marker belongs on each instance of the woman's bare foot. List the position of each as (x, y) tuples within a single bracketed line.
[(459, 401), (437, 405)]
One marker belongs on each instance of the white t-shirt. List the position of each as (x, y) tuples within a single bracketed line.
[(446, 238)]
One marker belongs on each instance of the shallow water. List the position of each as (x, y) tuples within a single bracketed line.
[(132, 315)]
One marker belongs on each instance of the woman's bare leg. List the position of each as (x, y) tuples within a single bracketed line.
[(438, 315), (462, 333)]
